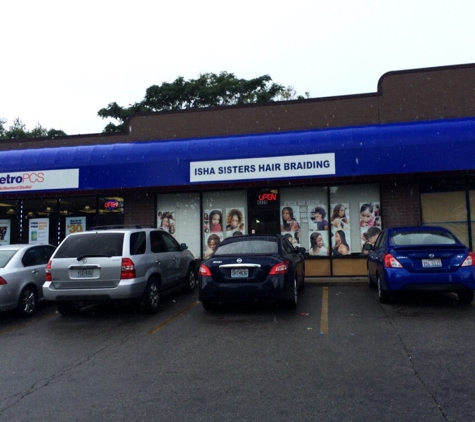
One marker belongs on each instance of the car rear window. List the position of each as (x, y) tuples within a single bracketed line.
[(411, 238), (248, 247), (5, 256), (89, 244)]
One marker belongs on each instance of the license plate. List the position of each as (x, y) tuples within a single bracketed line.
[(239, 272), (85, 273), (431, 263)]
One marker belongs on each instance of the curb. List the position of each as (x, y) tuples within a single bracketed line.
[(336, 281)]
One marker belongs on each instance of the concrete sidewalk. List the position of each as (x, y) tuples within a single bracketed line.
[(337, 281)]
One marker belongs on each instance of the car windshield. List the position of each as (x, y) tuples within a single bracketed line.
[(422, 237), (91, 244), (260, 247), (5, 256)]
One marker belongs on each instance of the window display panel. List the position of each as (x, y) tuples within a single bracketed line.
[(355, 217), (41, 221), (77, 214), (304, 218), (179, 214), (224, 215), (446, 209)]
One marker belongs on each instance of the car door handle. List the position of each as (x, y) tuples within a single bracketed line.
[(158, 261), (34, 272)]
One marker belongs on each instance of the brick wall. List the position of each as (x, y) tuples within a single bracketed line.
[(401, 201)]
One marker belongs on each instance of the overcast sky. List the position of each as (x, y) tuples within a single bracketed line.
[(63, 61)]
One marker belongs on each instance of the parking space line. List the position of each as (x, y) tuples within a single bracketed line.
[(25, 324), (158, 327), (324, 315)]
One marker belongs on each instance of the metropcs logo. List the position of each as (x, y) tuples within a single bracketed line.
[(24, 178), (39, 180)]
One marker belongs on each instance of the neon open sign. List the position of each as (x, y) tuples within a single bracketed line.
[(111, 205), (267, 197)]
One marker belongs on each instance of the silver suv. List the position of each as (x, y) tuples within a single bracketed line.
[(115, 265)]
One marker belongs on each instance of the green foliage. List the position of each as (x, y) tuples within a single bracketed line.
[(209, 90), (18, 130)]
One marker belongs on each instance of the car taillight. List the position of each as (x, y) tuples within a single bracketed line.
[(280, 268), (469, 261), (204, 271), (127, 269), (391, 262), (2, 281), (48, 277)]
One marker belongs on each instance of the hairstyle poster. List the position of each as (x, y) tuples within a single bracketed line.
[(235, 222), (213, 221), (289, 219), (166, 221), (5, 230), (370, 222), (340, 217), (212, 241)]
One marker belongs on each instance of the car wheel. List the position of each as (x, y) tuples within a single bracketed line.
[(67, 309), (292, 303), (208, 305), (190, 281), (27, 302), (465, 296), (151, 297), (383, 295), (371, 283)]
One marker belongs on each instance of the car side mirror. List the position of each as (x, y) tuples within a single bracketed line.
[(367, 247), (184, 246), (300, 250)]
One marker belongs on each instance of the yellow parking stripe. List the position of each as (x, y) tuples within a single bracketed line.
[(25, 324), (158, 327), (324, 316)]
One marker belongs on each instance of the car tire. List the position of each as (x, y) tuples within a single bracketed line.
[(68, 309), (383, 295), (465, 296), (292, 303), (27, 302), (208, 305), (190, 281), (151, 298), (371, 283)]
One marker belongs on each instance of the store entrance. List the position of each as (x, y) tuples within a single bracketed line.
[(263, 207)]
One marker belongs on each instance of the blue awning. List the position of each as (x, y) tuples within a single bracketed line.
[(400, 148)]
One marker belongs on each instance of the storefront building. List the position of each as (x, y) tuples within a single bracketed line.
[(329, 173)]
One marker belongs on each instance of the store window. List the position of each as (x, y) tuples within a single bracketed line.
[(446, 209), (304, 218), (77, 214), (224, 215), (355, 217), (179, 214), (9, 222)]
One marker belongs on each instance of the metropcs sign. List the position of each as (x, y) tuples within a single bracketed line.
[(39, 180), (263, 168)]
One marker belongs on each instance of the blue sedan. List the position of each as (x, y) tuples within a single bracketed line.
[(252, 268), (420, 258)]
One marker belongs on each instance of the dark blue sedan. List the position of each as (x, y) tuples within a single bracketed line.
[(252, 268), (420, 258)]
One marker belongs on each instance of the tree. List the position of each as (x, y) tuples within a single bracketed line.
[(18, 130), (209, 90)]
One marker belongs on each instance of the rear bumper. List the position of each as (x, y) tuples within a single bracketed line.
[(271, 290), (400, 279), (125, 290)]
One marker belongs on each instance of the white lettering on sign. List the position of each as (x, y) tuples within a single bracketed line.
[(263, 168)]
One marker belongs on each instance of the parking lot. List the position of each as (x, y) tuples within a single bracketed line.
[(341, 356)]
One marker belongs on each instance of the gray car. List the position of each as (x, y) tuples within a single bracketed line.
[(22, 273), (118, 265)]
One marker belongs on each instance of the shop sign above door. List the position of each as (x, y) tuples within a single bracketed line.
[(263, 168), (39, 180)]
